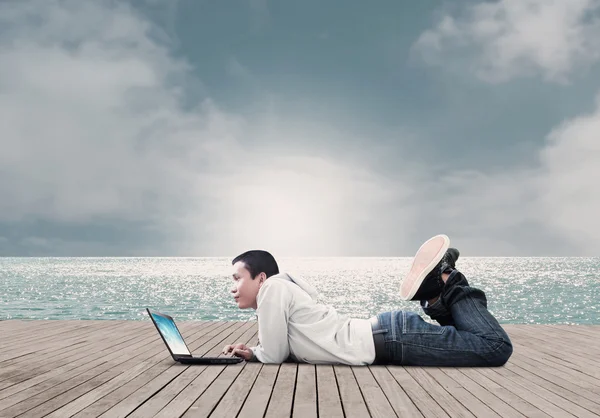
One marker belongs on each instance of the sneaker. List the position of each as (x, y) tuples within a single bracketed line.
[(450, 258), (424, 280)]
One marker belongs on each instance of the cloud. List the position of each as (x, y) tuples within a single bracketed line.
[(110, 147), (545, 205), (102, 142), (506, 39), (311, 205), (569, 182)]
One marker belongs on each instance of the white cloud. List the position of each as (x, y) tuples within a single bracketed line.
[(505, 39), (94, 127), (569, 185), (548, 207), (549, 203), (311, 205)]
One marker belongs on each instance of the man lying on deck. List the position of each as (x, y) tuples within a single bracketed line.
[(293, 326)]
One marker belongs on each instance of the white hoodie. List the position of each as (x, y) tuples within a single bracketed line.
[(291, 322)]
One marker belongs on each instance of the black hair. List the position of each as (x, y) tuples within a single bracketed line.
[(258, 261)]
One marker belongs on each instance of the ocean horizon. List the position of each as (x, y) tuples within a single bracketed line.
[(520, 290)]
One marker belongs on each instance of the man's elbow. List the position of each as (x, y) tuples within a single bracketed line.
[(277, 358)]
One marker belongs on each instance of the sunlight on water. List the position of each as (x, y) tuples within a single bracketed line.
[(519, 290)]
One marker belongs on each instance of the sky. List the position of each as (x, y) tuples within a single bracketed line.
[(339, 128)]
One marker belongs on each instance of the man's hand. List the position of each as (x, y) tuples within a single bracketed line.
[(238, 350)]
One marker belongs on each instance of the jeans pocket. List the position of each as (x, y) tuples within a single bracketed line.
[(412, 323)]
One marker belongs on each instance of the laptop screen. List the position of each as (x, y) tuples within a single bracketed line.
[(171, 334)]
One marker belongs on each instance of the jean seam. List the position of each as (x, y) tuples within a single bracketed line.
[(498, 346), (401, 353), (403, 321), (485, 319), (405, 327), (450, 349)]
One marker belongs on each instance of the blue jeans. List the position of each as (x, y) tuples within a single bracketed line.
[(468, 335)]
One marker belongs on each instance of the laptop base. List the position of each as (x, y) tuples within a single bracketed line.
[(209, 360)]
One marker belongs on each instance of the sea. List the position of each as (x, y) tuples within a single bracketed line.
[(542, 290)]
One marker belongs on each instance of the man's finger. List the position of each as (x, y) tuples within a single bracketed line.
[(241, 353)]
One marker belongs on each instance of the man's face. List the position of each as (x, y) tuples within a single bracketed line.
[(245, 289)]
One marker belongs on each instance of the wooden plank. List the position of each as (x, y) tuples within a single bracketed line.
[(236, 395), (563, 337), (162, 370), (461, 394), (443, 398), (375, 399), (587, 331), (20, 370), (99, 400), (62, 369), (159, 391), (328, 394), (282, 398), (556, 354), (65, 388), (576, 382), (31, 347), (484, 393), (19, 327), (519, 400), (14, 323), (568, 400), (552, 357), (527, 391), (108, 380), (398, 399), (38, 375), (35, 339), (553, 372), (87, 393), (38, 351), (17, 330), (256, 403), (420, 397), (181, 393), (559, 341), (76, 338), (216, 381), (352, 399), (305, 397), (155, 386)]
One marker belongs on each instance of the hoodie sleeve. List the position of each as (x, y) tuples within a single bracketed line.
[(273, 309)]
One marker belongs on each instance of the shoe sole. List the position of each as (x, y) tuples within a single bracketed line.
[(426, 258)]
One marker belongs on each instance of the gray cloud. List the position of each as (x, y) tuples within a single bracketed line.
[(106, 152), (507, 39), (547, 204), (569, 198), (98, 142)]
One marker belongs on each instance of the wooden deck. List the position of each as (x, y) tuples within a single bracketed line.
[(122, 368)]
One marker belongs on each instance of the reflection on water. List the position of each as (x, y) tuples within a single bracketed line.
[(519, 290)]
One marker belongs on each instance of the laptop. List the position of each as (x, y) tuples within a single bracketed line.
[(177, 347)]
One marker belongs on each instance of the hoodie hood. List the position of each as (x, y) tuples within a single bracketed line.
[(304, 285)]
